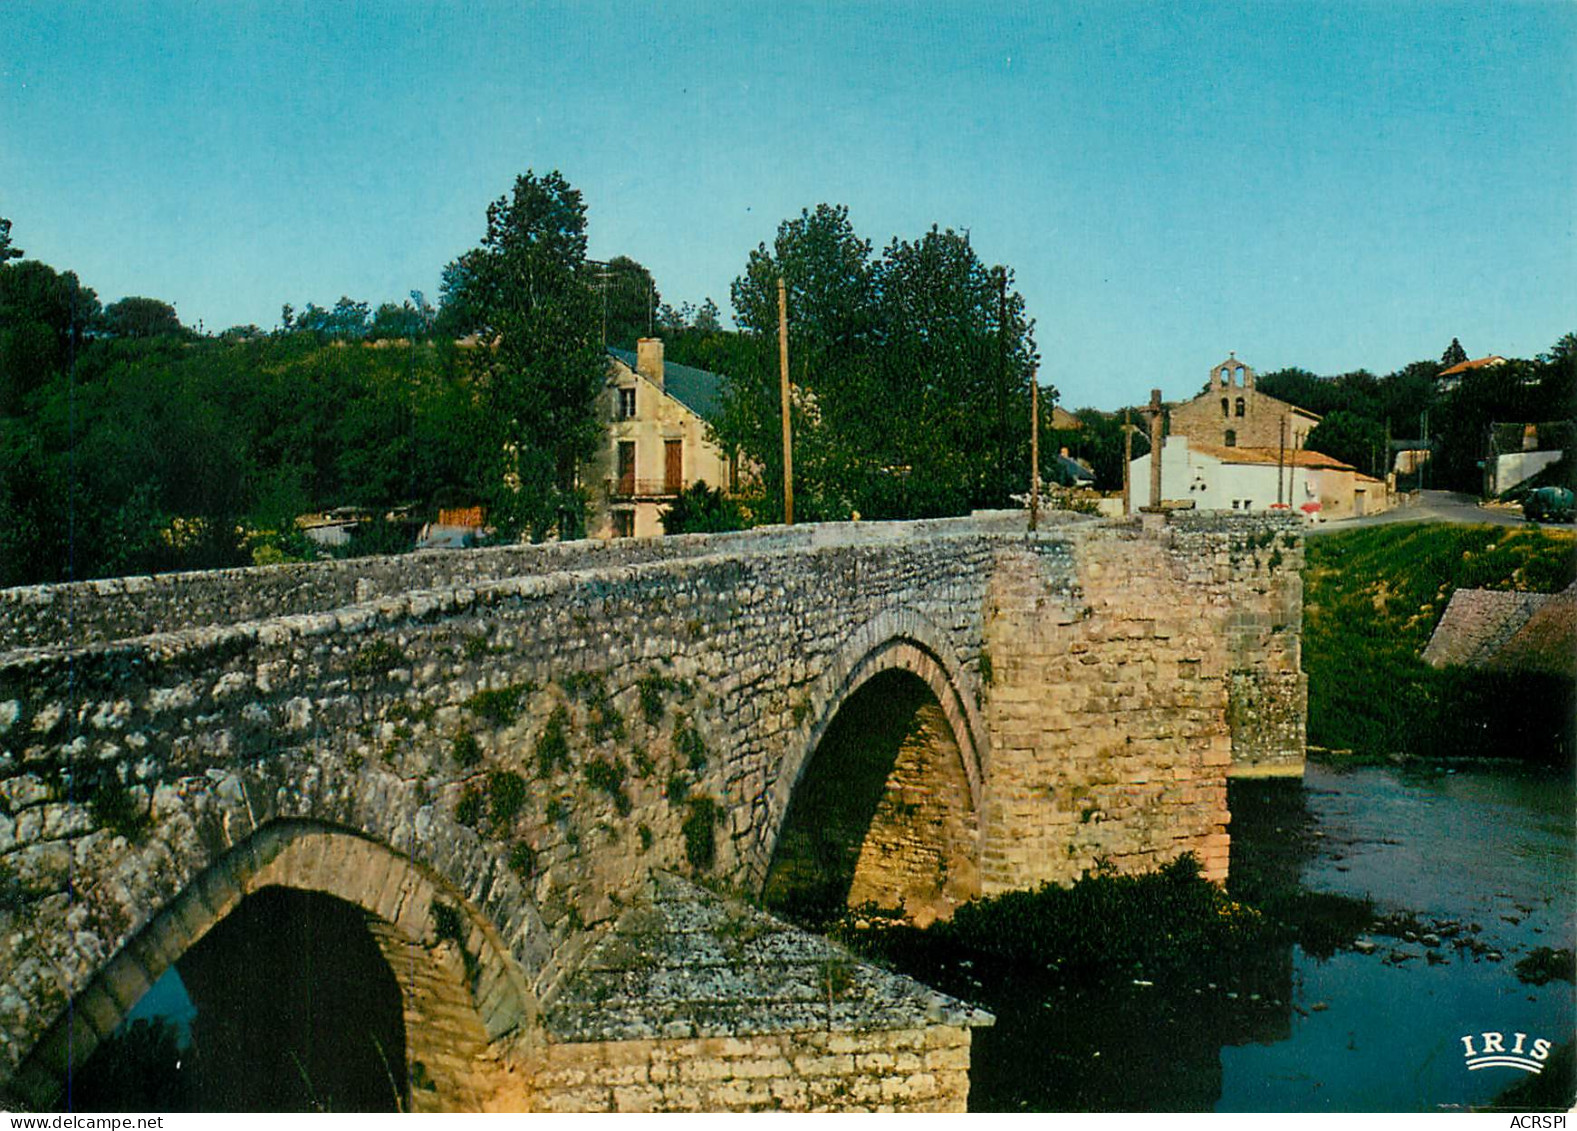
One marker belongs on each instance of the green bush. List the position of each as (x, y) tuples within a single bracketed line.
[(499, 705), (523, 860), (506, 792), (1156, 923), (700, 832), (467, 751), (1373, 597), (376, 658), (689, 744), (552, 743), (702, 510), (607, 775), (652, 687), (468, 810), (677, 789)]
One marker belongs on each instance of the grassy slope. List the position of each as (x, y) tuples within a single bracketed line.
[(1372, 597)]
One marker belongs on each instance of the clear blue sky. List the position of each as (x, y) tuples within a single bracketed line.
[(1334, 185)]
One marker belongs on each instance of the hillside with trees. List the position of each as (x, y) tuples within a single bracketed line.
[(131, 443)]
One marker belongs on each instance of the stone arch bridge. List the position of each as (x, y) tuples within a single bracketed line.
[(491, 753)]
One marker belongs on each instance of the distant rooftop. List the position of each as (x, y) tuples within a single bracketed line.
[(1302, 457), (1477, 363), (698, 390)]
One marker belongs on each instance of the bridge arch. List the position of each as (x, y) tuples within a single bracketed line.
[(461, 989), (905, 645)]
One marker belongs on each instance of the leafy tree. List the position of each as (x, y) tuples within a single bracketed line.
[(459, 312), (900, 364), (136, 317), (831, 299), (630, 301), (7, 251), (44, 318), (949, 368), (1407, 394), (1352, 438), (708, 319), (1098, 441), (1454, 355), (538, 365), (411, 320)]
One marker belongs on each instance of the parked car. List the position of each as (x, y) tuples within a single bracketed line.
[(1548, 504)]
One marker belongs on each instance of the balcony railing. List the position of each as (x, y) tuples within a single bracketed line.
[(629, 487)]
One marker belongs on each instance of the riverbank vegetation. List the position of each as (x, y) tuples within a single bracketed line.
[(1372, 598)]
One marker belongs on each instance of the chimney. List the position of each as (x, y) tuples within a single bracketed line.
[(649, 360)]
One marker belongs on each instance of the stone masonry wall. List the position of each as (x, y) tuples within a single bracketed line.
[(884, 1070), (121, 608), (1109, 697)]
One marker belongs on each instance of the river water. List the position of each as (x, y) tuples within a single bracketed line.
[(1485, 847), (1483, 860)]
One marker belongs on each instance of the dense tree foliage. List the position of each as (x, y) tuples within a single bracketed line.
[(910, 369), (528, 294), (702, 510), (1362, 411), (630, 301), (169, 454), (44, 319), (137, 317), (1352, 438), (7, 249), (1098, 441)]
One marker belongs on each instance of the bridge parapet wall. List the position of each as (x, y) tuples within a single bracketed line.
[(123, 608)]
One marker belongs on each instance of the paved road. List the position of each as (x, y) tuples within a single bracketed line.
[(1434, 506)]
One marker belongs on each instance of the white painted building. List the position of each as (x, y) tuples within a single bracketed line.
[(1212, 477)]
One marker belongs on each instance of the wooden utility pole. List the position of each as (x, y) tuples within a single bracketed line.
[(1002, 384), (1127, 459), (783, 390), (1034, 448)]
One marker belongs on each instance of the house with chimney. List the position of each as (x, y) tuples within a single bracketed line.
[(655, 444)]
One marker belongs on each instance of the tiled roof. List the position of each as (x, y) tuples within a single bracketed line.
[(698, 390), (1477, 363), (1270, 456), (1477, 623), (1547, 642), (681, 962)]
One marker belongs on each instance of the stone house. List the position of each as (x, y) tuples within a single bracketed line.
[(656, 443), (1231, 412)]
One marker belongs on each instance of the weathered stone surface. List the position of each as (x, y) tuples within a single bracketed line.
[(512, 722)]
